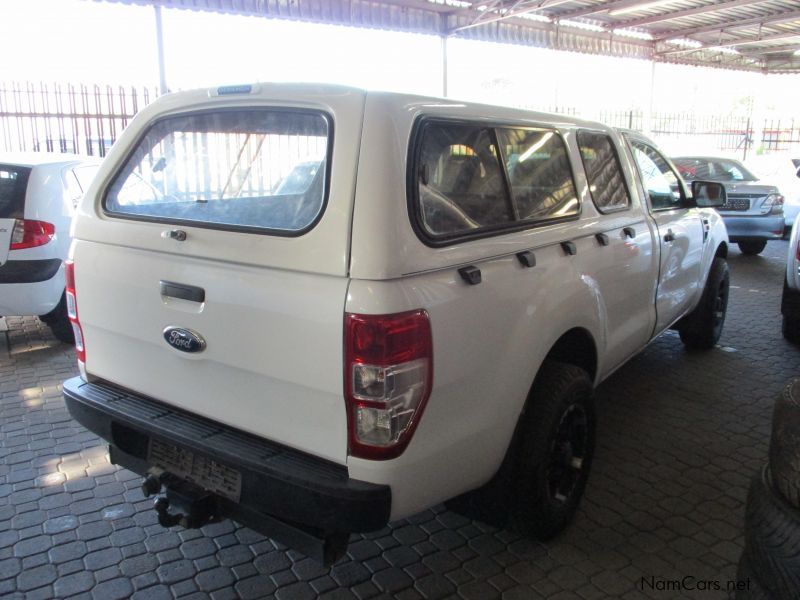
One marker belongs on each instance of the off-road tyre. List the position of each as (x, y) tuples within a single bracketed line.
[(772, 539), (754, 590), (58, 322), (752, 247), (790, 328), (701, 329), (790, 309), (784, 444), (554, 451)]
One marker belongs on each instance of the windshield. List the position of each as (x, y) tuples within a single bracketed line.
[(713, 169)]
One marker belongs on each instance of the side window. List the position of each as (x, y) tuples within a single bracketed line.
[(472, 178), (601, 163), (539, 172), (660, 180), (460, 180)]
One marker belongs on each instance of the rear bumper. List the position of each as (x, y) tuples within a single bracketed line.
[(277, 483), (30, 287), (750, 227)]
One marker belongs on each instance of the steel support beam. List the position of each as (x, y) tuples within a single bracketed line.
[(680, 14)]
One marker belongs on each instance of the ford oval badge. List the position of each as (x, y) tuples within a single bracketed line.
[(184, 340)]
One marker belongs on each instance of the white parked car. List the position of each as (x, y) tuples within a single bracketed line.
[(38, 194), (423, 319)]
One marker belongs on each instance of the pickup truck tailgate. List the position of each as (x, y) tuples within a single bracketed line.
[(272, 365), (211, 257)]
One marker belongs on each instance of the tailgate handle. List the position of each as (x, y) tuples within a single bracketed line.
[(182, 291)]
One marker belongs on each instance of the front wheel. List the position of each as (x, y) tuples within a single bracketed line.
[(752, 247), (555, 452), (700, 329)]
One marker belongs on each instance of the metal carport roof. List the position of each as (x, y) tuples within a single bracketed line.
[(755, 35)]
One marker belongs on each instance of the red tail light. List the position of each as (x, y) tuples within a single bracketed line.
[(29, 234), (388, 377), (797, 250), (72, 310)]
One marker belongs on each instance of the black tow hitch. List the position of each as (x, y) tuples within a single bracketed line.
[(195, 506)]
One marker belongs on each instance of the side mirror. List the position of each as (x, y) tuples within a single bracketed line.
[(708, 194)]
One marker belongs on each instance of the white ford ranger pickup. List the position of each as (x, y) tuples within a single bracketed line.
[(315, 309)]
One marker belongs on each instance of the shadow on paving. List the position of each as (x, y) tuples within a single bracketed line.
[(679, 435)]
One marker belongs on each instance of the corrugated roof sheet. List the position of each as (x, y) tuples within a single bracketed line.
[(735, 34)]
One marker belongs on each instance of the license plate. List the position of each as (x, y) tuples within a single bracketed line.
[(205, 472)]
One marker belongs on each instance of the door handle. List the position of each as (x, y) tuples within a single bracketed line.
[(182, 291), (670, 237), (629, 231), (602, 239)]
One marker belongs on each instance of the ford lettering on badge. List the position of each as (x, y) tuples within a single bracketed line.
[(184, 340)]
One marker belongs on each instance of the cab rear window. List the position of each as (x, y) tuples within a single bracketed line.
[(474, 180), (13, 184), (263, 170)]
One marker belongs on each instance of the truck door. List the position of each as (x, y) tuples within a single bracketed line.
[(624, 262), (680, 231)]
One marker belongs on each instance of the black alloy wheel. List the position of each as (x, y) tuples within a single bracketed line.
[(568, 454)]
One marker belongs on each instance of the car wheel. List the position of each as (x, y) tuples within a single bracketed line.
[(784, 444), (555, 451), (772, 538), (701, 329), (751, 586), (752, 247), (58, 322), (791, 329), (790, 308)]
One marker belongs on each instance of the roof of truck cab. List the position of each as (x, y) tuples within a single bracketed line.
[(34, 159), (263, 90)]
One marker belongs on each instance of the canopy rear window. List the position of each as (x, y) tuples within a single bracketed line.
[(13, 184), (263, 170)]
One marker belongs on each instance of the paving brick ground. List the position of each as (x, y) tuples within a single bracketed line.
[(679, 436)]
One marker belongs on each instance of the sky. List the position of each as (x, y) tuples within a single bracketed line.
[(98, 42)]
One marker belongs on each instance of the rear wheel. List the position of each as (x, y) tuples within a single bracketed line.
[(555, 451), (700, 329), (790, 308), (752, 247), (791, 329), (58, 322)]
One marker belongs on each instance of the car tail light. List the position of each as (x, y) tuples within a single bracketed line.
[(29, 234), (72, 310), (388, 377), (797, 250), (773, 202)]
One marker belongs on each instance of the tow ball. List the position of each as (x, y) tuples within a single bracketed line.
[(194, 507)]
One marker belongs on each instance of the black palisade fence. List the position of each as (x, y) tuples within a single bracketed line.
[(76, 118), (87, 118)]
